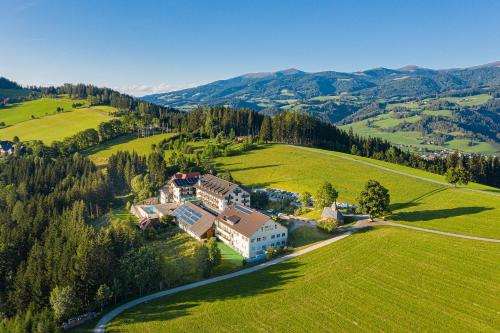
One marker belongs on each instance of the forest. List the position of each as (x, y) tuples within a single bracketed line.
[(50, 253)]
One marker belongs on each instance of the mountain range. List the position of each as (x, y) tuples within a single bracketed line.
[(265, 90)]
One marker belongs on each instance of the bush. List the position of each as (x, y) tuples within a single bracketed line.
[(328, 225)]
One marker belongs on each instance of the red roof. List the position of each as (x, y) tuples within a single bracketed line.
[(186, 175)]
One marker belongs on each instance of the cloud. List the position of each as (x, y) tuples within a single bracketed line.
[(142, 90)]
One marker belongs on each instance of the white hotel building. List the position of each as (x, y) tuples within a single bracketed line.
[(217, 194), (248, 231)]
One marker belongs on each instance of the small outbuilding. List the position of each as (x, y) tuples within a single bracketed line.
[(332, 213)]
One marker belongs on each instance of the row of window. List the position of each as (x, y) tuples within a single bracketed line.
[(265, 238), (263, 247)]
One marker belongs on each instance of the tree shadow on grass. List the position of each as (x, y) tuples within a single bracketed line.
[(265, 281), (415, 201), (255, 167), (428, 215)]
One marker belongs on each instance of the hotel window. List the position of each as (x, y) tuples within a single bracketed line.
[(263, 247), (283, 242), (283, 235), (272, 236), (278, 236), (258, 239), (264, 238), (272, 244)]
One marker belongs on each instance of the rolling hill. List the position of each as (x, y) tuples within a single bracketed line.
[(371, 96)]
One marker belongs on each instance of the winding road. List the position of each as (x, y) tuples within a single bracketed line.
[(101, 325), (392, 170), (103, 322)]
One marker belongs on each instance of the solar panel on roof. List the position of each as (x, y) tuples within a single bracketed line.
[(187, 215), (243, 209)]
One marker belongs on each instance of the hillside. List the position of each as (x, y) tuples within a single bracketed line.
[(40, 119), (384, 279), (11, 90), (413, 201), (346, 98), (468, 123)]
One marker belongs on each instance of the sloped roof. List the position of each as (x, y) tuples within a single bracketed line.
[(244, 220), (329, 213), (194, 218), (215, 185)]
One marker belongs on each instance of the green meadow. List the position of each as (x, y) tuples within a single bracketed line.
[(414, 138), (413, 201), (19, 112), (384, 279), (100, 153), (55, 127)]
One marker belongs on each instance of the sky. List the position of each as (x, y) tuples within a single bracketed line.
[(143, 47)]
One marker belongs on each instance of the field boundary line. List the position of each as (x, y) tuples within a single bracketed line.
[(451, 234), (331, 153), (104, 321)]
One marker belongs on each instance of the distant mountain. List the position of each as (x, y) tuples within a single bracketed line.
[(268, 90)]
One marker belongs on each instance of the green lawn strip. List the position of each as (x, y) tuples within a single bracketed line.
[(384, 279), (231, 260), (413, 201), (19, 112), (54, 127)]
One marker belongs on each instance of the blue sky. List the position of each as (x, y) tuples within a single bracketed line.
[(146, 46)]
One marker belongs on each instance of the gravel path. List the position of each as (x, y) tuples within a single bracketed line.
[(392, 170), (101, 325)]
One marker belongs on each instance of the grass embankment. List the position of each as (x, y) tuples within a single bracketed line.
[(55, 126), (385, 279), (306, 235), (413, 201), (101, 153)]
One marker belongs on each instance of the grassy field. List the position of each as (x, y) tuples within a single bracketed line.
[(413, 201), (415, 138), (55, 127), (384, 279), (100, 154), (38, 108)]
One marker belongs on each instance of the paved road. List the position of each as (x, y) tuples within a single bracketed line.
[(366, 223), (392, 170), (101, 325)]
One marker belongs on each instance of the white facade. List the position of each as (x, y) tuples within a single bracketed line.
[(270, 234), (217, 203)]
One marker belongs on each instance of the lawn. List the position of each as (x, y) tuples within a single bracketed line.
[(231, 260), (55, 127), (100, 153), (19, 112), (413, 201), (306, 235), (385, 279), (469, 100)]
